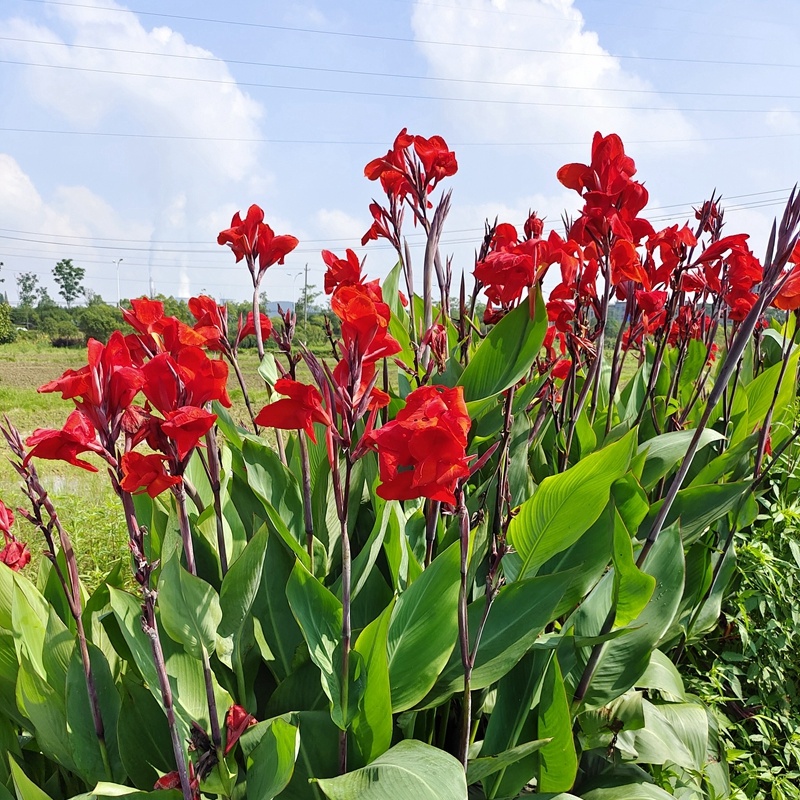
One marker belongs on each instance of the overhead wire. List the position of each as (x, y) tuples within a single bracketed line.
[(416, 41)]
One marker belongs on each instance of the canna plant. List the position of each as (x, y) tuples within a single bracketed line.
[(462, 556)]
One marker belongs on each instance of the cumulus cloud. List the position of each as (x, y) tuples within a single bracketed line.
[(106, 72), (504, 55)]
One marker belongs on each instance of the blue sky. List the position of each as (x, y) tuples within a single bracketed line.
[(136, 131)]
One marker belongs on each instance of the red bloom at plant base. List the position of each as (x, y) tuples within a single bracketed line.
[(237, 721), (300, 410), (15, 554), (421, 453)]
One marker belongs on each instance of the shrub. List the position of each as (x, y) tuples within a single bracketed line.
[(8, 331)]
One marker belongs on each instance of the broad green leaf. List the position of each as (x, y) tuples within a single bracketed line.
[(24, 787), (663, 676), (319, 614), (372, 725), (44, 706), (239, 589), (272, 481), (558, 761), (761, 391), (630, 791), (423, 630), (632, 587), (726, 461), (566, 505), (271, 612), (480, 768), (270, 765), (86, 749), (664, 452), (507, 353), (697, 507), (190, 610), (518, 615), (268, 370), (143, 736), (411, 770), (512, 724), (623, 660)]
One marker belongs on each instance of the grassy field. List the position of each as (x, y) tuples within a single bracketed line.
[(85, 501)]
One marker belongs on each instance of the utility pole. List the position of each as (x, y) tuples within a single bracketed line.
[(119, 299), (305, 303)]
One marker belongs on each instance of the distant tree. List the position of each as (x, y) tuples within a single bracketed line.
[(27, 289), (69, 278), (98, 320), (7, 330)]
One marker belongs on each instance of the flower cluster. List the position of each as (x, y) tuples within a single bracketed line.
[(421, 453), (164, 360)]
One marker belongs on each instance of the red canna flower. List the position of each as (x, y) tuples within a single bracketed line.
[(187, 426), (15, 554), (146, 473), (237, 721), (170, 780), (438, 161), (191, 378), (341, 271), (365, 321), (421, 453), (159, 332), (613, 199), (626, 264), (77, 436), (253, 239), (6, 518), (212, 321), (300, 410), (249, 329)]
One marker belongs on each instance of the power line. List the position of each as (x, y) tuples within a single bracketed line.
[(394, 95), (407, 40), (372, 74), (155, 244), (382, 143)]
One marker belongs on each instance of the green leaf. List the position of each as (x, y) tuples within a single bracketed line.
[(24, 787), (411, 770), (761, 391), (268, 370), (480, 768), (623, 660), (190, 610), (372, 725), (507, 353), (238, 592), (85, 746), (565, 506), (270, 765), (319, 614), (663, 676), (518, 615), (697, 507), (665, 451), (143, 735), (423, 630), (558, 761), (632, 587), (275, 484), (631, 791)]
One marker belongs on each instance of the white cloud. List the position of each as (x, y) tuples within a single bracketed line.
[(105, 85), (565, 114)]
